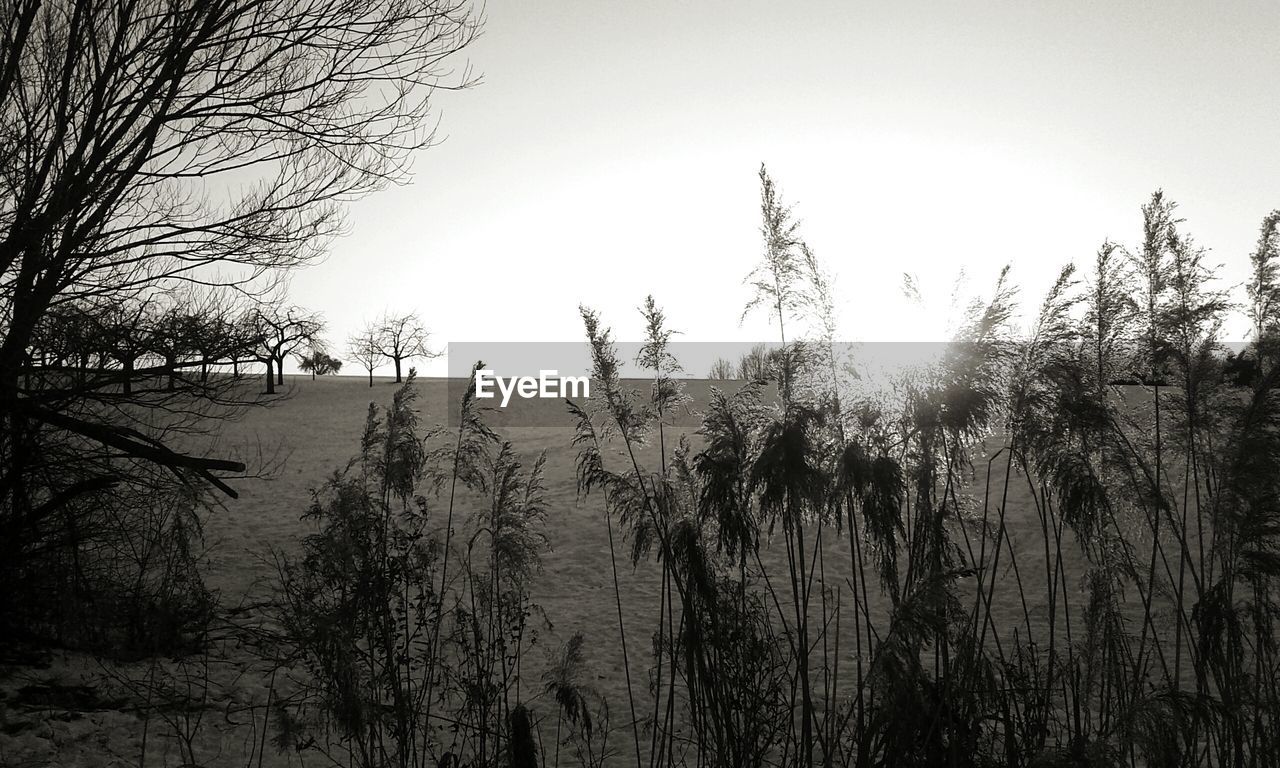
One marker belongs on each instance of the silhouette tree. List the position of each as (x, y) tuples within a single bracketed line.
[(213, 332), (243, 331), (364, 349), (317, 362), (151, 144), (403, 337), (172, 338), (281, 332), (124, 331), (721, 369), (756, 363), (118, 116)]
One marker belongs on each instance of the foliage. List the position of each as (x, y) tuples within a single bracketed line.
[(164, 166), (409, 663), (1159, 651), (1129, 617), (319, 363)]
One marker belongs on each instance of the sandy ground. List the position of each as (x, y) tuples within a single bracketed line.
[(316, 430)]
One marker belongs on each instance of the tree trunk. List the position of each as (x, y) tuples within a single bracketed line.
[(397, 370), (171, 363), (271, 379), (128, 376), (280, 370), (371, 378)]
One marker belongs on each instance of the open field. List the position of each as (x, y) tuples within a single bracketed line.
[(319, 429), (320, 424)]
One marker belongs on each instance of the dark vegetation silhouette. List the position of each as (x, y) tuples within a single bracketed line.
[(394, 338), (281, 332), (164, 165), (401, 338), (1163, 655), (364, 349), (1145, 602), (317, 362), (414, 638)]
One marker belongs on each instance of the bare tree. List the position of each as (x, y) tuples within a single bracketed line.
[(124, 334), (364, 348), (172, 340), (403, 337), (282, 332), (149, 144), (721, 369), (69, 339), (118, 116), (243, 331), (212, 323), (754, 365)]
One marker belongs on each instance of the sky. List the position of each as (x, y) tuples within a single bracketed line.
[(611, 151)]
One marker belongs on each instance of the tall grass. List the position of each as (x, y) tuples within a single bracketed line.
[(1144, 591), (405, 660), (1062, 545)]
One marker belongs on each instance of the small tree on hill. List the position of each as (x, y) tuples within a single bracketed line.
[(721, 369), (754, 365), (363, 348), (402, 337), (317, 362)]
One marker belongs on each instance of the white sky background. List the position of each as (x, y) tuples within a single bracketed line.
[(611, 151)]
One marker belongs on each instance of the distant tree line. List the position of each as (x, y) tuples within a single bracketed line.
[(176, 339)]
